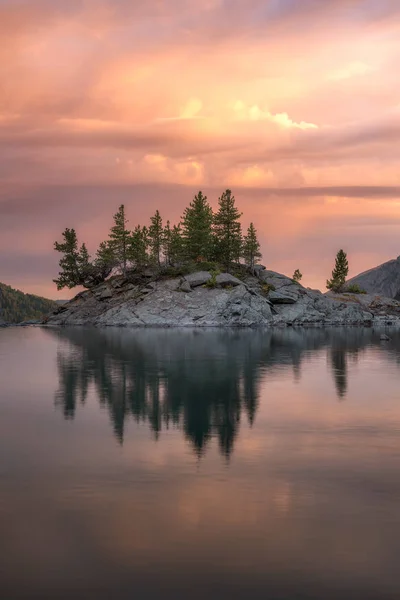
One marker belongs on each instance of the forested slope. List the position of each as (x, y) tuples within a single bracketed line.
[(15, 306)]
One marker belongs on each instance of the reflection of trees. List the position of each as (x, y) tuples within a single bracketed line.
[(200, 381), (339, 369)]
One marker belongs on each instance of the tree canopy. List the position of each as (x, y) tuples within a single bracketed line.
[(201, 236)]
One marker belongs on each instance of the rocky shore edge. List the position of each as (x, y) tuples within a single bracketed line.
[(206, 299)]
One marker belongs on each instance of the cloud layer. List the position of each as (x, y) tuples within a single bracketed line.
[(295, 106)]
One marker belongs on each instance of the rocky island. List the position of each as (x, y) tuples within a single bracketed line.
[(203, 299), (202, 272)]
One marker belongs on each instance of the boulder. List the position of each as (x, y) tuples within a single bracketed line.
[(185, 287), (197, 279), (106, 294), (282, 298), (226, 280)]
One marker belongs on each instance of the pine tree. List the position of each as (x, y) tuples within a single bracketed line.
[(166, 243), (138, 245), (227, 230), (251, 247), (156, 234), (104, 262), (119, 239), (297, 276), (339, 273), (176, 250), (197, 229), (75, 262)]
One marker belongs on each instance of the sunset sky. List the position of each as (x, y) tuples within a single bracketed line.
[(293, 104)]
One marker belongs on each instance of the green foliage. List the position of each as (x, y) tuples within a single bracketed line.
[(297, 276), (15, 306), (156, 237), (119, 239), (339, 273), (212, 283), (138, 247), (203, 241), (354, 288), (74, 263), (176, 249), (267, 288), (251, 247), (104, 262), (227, 231), (197, 223)]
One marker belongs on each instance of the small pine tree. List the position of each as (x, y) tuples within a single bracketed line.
[(138, 245), (197, 223), (251, 247), (156, 235), (75, 262), (297, 276), (339, 273), (227, 230), (119, 239)]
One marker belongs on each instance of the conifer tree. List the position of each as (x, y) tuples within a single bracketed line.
[(156, 234), (119, 239), (75, 261), (197, 229), (138, 245), (177, 245), (297, 276), (104, 262), (339, 273), (251, 247), (166, 243), (227, 230)]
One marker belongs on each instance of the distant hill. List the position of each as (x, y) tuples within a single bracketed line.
[(15, 306), (383, 280)]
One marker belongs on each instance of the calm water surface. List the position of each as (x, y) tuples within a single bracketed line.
[(199, 464)]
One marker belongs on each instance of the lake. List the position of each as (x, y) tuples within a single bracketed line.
[(199, 464)]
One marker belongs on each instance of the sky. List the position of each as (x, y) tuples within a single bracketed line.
[(294, 106)]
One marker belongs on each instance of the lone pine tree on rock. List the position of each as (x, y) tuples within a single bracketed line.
[(339, 273), (297, 276)]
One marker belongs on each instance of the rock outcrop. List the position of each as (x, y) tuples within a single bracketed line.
[(201, 300), (383, 280)]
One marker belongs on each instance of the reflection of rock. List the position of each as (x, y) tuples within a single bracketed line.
[(201, 381)]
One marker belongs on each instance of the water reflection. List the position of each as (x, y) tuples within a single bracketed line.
[(204, 382)]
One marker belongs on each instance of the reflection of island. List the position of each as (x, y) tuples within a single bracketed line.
[(200, 381)]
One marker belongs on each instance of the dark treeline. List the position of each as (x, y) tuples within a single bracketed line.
[(203, 237), (15, 306)]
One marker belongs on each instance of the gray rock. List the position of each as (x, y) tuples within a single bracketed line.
[(185, 287), (106, 294), (282, 298), (243, 306), (197, 279), (226, 279), (383, 280)]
